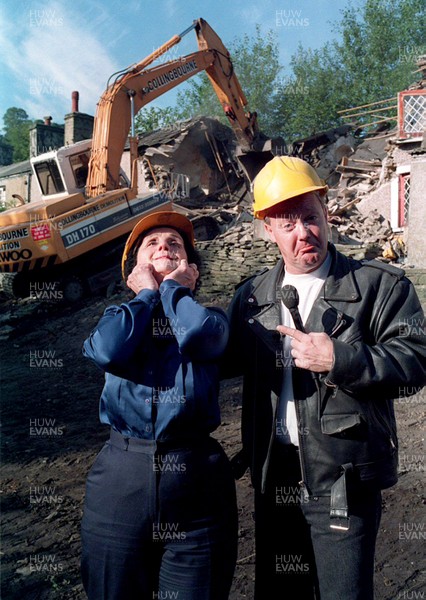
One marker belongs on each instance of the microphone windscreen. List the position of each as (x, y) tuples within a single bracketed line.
[(289, 296)]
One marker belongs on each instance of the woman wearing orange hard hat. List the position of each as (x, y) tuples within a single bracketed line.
[(160, 513)]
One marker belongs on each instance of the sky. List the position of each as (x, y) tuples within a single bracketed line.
[(50, 48)]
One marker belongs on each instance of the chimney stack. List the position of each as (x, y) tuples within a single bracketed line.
[(78, 126), (74, 105)]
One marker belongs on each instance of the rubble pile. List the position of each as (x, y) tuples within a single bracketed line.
[(360, 174), (240, 249), (325, 150), (193, 159)]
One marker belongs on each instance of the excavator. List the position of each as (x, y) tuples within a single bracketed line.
[(70, 237)]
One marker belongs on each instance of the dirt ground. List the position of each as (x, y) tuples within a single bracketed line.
[(51, 435)]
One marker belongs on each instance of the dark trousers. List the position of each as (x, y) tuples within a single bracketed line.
[(297, 550), (159, 523)]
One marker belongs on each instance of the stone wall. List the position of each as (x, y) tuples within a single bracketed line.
[(224, 265)]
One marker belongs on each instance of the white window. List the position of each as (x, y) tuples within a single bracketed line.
[(400, 198)]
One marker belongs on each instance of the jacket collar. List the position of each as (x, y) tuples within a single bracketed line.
[(340, 285)]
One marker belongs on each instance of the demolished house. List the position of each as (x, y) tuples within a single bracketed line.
[(195, 162)]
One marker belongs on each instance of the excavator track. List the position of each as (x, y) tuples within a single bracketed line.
[(14, 285)]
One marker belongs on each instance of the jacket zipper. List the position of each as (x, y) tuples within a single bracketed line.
[(303, 482)]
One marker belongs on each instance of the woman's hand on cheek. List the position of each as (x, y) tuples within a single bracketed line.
[(142, 278), (185, 274)]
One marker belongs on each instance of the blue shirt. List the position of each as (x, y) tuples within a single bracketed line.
[(159, 354)]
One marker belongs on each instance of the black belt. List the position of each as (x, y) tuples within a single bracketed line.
[(133, 444)]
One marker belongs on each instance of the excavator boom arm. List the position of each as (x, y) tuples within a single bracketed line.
[(137, 86)]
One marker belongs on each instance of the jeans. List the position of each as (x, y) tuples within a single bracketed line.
[(159, 522), (298, 555)]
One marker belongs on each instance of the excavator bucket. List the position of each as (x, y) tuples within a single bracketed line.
[(264, 150)]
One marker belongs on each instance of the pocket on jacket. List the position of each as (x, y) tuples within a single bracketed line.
[(347, 425)]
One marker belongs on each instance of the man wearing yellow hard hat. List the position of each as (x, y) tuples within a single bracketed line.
[(319, 342)]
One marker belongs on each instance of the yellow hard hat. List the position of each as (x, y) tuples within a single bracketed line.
[(282, 178)]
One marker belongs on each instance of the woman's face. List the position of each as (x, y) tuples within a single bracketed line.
[(163, 248)]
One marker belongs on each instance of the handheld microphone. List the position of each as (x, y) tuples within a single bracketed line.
[(290, 298)]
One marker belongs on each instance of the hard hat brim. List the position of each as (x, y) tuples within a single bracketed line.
[(261, 214)]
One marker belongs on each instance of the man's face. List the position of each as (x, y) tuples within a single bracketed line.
[(163, 248), (299, 228)]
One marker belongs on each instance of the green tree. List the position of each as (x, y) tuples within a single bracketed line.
[(373, 59), (151, 118), (6, 152), (257, 67), (16, 132), (308, 99), (198, 99), (380, 46)]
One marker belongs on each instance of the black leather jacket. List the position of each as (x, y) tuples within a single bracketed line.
[(346, 418)]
